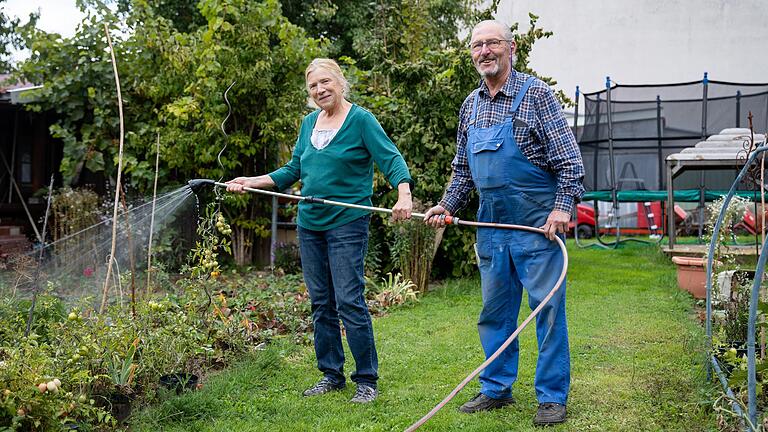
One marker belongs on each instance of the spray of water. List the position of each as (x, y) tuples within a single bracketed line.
[(74, 267)]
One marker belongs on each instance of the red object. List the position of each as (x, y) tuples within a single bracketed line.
[(655, 210), (680, 213), (585, 215), (750, 223), (585, 218)]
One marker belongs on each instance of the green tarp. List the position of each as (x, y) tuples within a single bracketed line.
[(684, 195)]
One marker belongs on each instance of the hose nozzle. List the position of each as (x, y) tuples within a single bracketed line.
[(196, 184)]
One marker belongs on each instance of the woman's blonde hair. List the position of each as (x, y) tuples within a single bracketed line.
[(331, 67)]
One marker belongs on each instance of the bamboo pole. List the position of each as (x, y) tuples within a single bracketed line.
[(105, 290)]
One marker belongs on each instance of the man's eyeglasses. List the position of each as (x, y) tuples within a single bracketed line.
[(490, 43)]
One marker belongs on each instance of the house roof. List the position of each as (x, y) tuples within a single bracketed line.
[(6, 86), (12, 92)]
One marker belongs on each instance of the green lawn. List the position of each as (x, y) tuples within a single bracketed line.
[(636, 364)]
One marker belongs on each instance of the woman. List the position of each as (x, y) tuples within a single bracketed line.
[(333, 158)]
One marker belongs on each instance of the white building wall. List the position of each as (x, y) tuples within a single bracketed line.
[(648, 41)]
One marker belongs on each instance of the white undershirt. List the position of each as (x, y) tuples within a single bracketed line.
[(321, 137)]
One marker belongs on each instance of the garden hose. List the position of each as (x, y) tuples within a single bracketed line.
[(196, 184)]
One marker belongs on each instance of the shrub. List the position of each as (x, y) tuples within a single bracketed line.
[(414, 249), (288, 257)]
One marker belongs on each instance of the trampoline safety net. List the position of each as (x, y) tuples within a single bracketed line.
[(650, 122)]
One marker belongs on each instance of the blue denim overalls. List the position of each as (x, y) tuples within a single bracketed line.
[(514, 191)]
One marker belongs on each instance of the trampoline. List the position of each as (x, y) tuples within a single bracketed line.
[(630, 132)]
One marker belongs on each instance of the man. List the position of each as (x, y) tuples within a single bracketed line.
[(515, 147)]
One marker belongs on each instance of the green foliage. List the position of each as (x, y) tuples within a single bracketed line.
[(122, 369), (9, 37), (249, 43), (94, 355), (213, 239), (288, 257), (393, 290), (413, 246), (72, 212)]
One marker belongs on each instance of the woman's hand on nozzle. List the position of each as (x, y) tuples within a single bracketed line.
[(436, 216), (237, 184), (260, 182)]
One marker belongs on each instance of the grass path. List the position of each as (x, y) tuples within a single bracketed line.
[(635, 349)]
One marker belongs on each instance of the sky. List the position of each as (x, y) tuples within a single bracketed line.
[(56, 16)]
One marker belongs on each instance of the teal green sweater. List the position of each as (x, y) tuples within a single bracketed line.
[(342, 171)]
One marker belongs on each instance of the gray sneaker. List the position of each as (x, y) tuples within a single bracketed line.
[(364, 394), (482, 402), (323, 386), (549, 413)]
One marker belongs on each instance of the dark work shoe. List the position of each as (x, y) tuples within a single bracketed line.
[(364, 394), (482, 402), (323, 386), (549, 413)]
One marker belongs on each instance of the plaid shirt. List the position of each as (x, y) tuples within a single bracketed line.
[(545, 139)]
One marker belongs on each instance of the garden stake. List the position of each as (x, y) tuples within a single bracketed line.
[(197, 184), (118, 186)]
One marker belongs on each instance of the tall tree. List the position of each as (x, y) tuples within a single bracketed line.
[(172, 85), (9, 38)]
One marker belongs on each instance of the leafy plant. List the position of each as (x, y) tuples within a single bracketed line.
[(374, 256), (213, 232), (395, 290), (735, 313), (414, 248), (122, 370), (73, 211), (287, 257)]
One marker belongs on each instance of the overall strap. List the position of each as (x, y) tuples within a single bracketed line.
[(521, 94), (474, 107)]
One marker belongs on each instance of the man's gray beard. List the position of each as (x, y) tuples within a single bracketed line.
[(496, 70), (488, 73)]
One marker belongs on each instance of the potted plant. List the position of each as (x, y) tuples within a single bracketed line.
[(179, 381), (692, 271), (692, 275), (122, 372)]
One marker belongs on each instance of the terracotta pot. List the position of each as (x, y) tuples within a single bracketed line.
[(692, 275)]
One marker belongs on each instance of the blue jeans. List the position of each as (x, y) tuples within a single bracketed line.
[(333, 261)]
